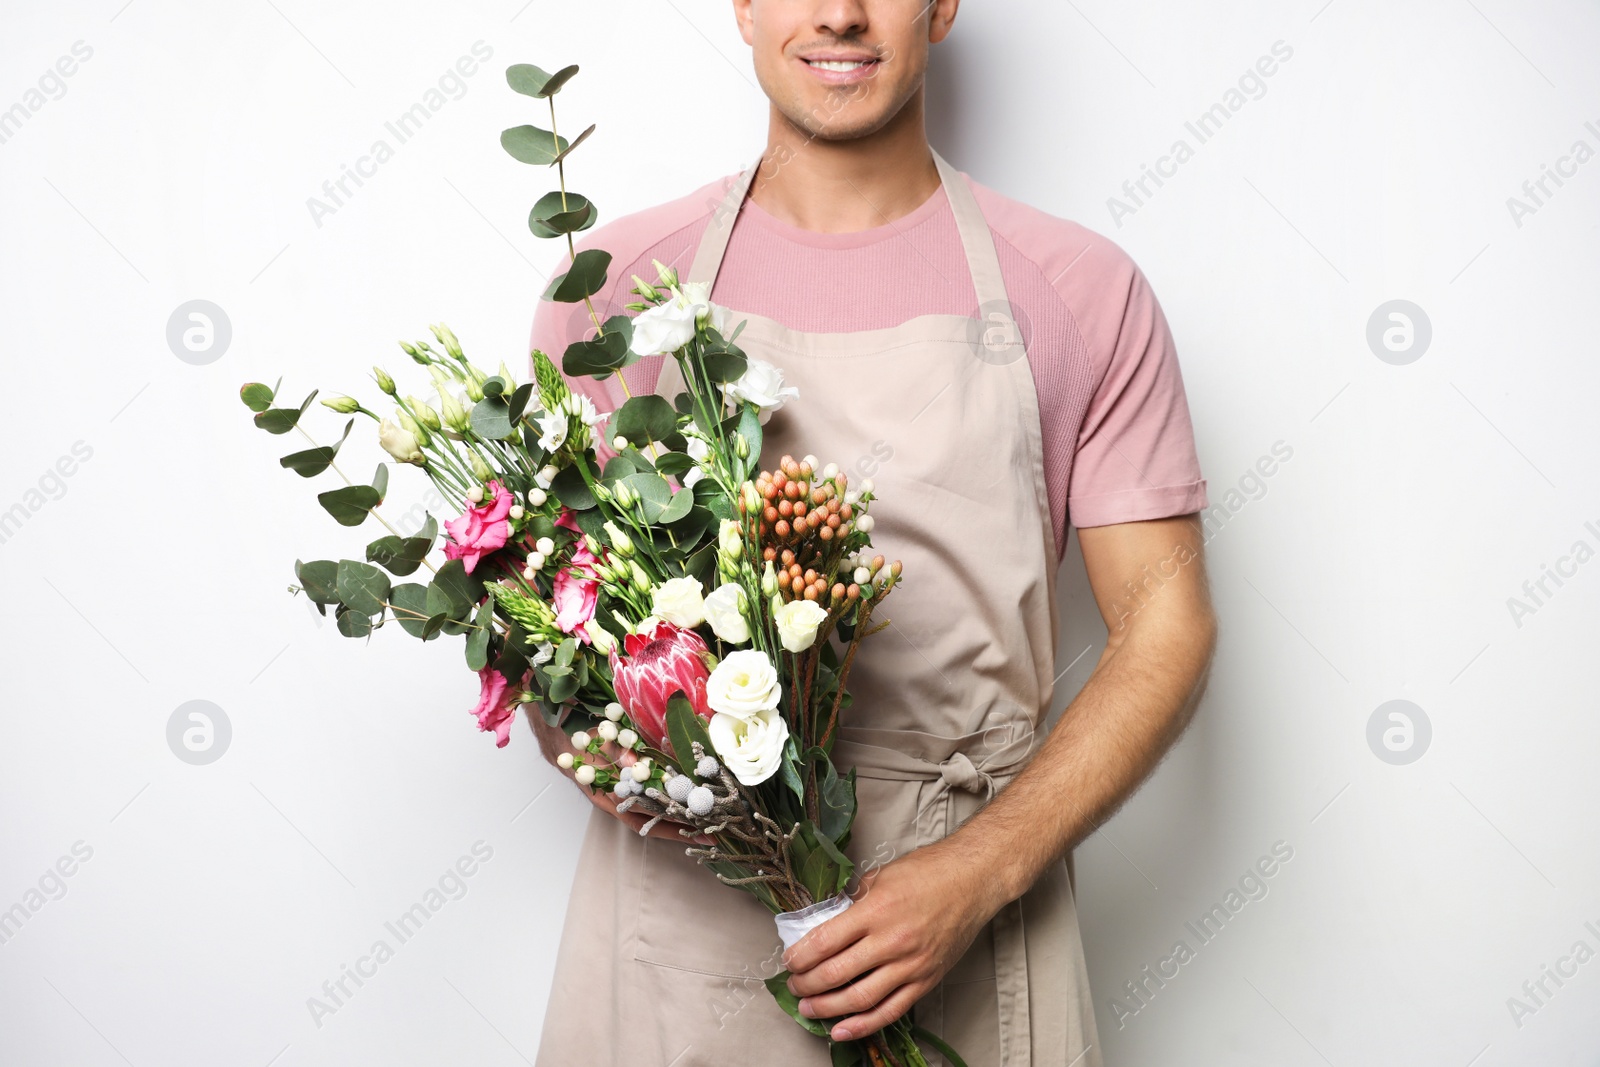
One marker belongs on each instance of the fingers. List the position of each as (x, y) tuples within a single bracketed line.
[(838, 971), (833, 936), (887, 1010)]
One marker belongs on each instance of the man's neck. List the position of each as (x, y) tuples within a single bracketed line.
[(846, 186)]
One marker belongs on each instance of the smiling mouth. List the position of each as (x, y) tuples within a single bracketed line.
[(842, 66)]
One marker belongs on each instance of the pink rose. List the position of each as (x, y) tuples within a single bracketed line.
[(497, 705), (481, 529), (576, 587), (658, 663)]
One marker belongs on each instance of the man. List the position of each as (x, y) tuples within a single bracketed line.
[(1001, 375)]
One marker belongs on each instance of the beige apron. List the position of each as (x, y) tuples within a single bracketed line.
[(949, 703)]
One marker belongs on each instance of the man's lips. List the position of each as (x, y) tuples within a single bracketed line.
[(840, 68)]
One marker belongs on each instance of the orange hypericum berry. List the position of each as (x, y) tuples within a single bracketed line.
[(877, 564), (826, 533), (787, 556), (894, 568), (811, 592), (797, 585), (785, 508), (770, 513), (781, 528), (799, 507), (833, 522), (853, 592), (765, 529), (769, 553), (846, 511), (819, 496)]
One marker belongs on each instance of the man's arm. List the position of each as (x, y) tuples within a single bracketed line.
[(924, 909)]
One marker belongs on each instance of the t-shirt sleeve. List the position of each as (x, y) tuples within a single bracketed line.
[(1136, 456)]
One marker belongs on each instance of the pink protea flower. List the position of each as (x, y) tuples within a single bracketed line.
[(481, 529), (662, 661), (497, 705)]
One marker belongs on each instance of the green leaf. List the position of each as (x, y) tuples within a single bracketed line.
[(491, 418), (402, 556), (844, 1054), (518, 401), (258, 397), (463, 589), (684, 728), (565, 651), (313, 461), (791, 769), (563, 689), (530, 144), (362, 587), (529, 80), (353, 623), (350, 505), (282, 420), (570, 488), (819, 874), (778, 986), (433, 626), (582, 137), (837, 811), (585, 277), (725, 364), (674, 464), (556, 214), (645, 418), (478, 640), (677, 507), (750, 427), (494, 386), (922, 1033), (380, 481), (654, 493), (319, 580), (409, 603)]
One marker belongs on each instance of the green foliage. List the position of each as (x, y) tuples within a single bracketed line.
[(258, 397), (561, 213), (778, 986), (314, 461), (684, 728), (584, 278), (529, 80), (646, 418), (530, 144), (282, 420)]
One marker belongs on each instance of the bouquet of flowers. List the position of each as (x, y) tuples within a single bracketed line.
[(688, 618)]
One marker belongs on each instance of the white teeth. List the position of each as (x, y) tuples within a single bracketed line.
[(836, 64)]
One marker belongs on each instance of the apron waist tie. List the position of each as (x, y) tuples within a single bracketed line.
[(910, 755)]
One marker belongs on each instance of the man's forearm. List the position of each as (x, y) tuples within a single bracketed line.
[(1135, 705)]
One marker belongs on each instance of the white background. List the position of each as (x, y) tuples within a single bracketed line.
[(1375, 564)]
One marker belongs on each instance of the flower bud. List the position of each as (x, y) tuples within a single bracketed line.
[(769, 580), (640, 578), (505, 376), (385, 382), (423, 413), (474, 388), (480, 469), (344, 405), (776, 603), (602, 493), (669, 277), (644, 288), (619, 540), (593, 545), (741, 447), (448, 339), (452, 413)]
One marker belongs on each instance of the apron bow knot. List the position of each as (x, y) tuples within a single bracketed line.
[(959, 772)]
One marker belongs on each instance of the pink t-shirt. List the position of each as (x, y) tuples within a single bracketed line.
[(1118, 441)]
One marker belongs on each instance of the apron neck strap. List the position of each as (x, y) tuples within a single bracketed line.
[(976, 240)]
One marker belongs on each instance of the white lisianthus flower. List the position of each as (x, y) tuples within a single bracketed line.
[(725, 612), (552, 430), (665, 328), (751, 748), (399, 442), (680, 601), (761, 384), (697, 449), (797, 623), (694, 475), (744, 684)]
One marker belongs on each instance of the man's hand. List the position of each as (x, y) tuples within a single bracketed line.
[(553, 741), (910, 922)]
